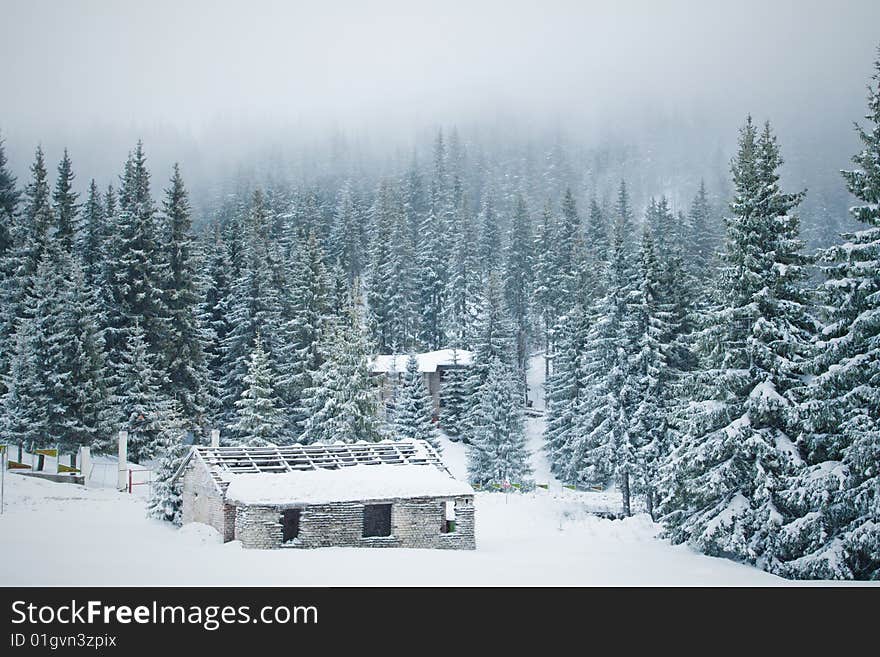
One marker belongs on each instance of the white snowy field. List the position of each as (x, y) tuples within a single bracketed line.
[(62, 534)]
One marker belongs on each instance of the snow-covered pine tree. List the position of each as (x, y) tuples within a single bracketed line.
[(517, 278), (494, 334), (256, 305), (413, 409), (723, 482), (65, 206), (564, 387), (342, 403), (650, 369), (136, 269), (9, 196), (139, 396), (345, 242), (81, 389), (834, 504), (380, 308), (30, 239), (490, 233), (258, 416), (214, 321), (183, 358), (543, 295), (454, 398), (602, 445), (92, 237), (166, 496), (432, 266), (498, 452), (702, 240), (463, 286)]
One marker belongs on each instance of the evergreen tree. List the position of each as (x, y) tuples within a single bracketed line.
[(342, 404), (346, 244), (454, 398), (498, 453), (65, 204), (702, 239), (258, 417), (9, 196), (139, 397), (214, 318), (413, 409), (183, 357), (517, 285), (544, 291), (136, 269), (256, 305), (490, 233), (833, 506), (463, 287), (722, 489), (306, 333), (380, 291), (93, 236), (166, 496), (650, 368)]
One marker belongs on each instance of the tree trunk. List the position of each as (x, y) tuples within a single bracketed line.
[(650, 503), (625, 490)]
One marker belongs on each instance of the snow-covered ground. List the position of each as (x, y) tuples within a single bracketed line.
[(62, 534), (57, 534)]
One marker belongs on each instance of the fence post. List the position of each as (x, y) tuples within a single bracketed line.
[(121, 482)]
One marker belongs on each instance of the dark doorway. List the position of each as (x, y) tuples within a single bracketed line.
[(377, 520), (289, 525)]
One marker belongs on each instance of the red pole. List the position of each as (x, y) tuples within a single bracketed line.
[(129, 482)]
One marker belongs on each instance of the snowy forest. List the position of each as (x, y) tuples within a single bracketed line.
[(703, 360)]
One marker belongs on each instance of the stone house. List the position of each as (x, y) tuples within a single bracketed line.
[(433, 365), (385, 494)]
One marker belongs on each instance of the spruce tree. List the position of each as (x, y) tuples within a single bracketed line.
[(413, 408), (64, 201), (463, 287), (723, 483), (341, 404), (258, 419), (183, 356), (517, 285), (166, 496), (139, 396), (498, 453), (454, 398), (9, 196), (833, 506), (93, 236), (136, 269)]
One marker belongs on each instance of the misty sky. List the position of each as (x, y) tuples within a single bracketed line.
[(93, 73)]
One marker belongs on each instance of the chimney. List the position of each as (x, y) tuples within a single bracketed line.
[(215, 437)]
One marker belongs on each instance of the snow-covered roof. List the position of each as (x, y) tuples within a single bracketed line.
[(428, 361), (283, 467), (357, 483)]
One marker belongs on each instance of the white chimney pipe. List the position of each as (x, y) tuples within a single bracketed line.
[(215, 437), (122, 480)]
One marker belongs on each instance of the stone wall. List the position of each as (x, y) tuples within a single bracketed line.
[(415, 523), (202, 502)]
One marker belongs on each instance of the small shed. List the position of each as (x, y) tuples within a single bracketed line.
[(385, 494), (433, 366)]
